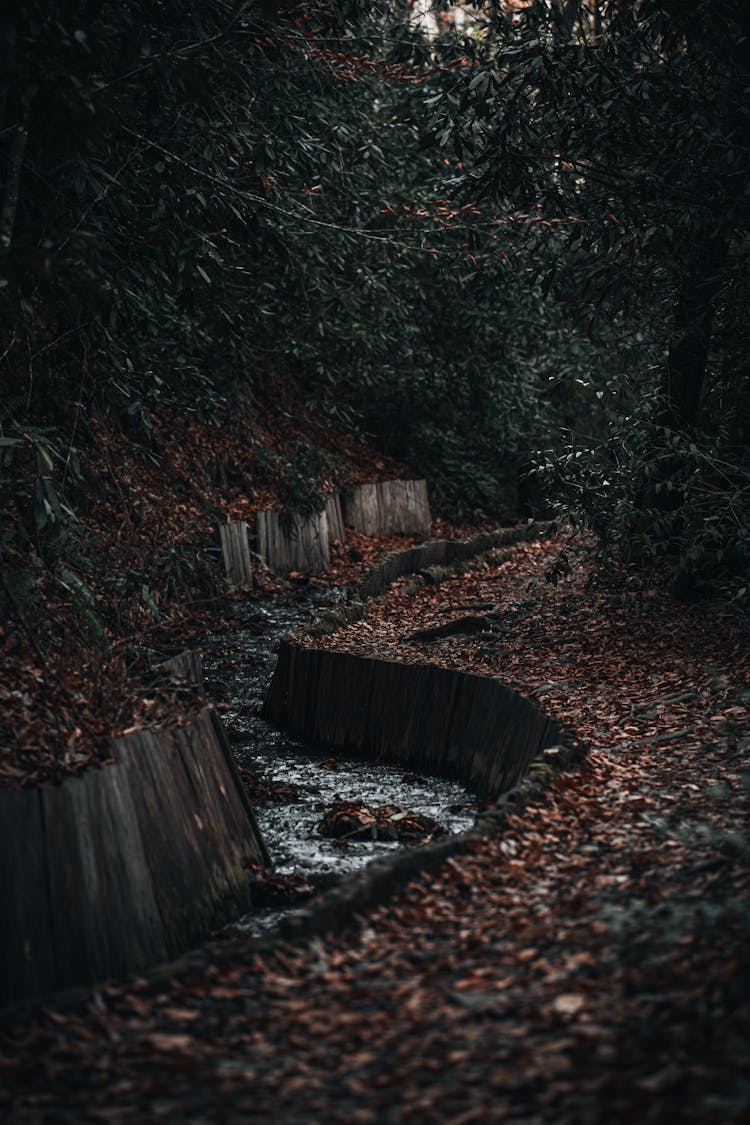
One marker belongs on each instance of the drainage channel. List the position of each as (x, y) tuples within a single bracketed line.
[(292, 786)]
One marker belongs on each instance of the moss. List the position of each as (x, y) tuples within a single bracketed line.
[(227, 896), (337, 619)]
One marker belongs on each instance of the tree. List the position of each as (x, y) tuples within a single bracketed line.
[(621, 133), (212, 195)]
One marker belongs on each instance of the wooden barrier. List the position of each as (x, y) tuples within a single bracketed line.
[(429, 719), (235, 547), (125, 865), (391, 507), (439, 552), (287, 542)]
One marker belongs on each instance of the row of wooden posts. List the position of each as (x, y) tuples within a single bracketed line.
[(131, 863), (288, 542), (125, 865)]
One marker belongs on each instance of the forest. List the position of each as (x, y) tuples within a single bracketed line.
[(374, 561)]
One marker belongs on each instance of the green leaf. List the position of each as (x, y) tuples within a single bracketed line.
[(148, 601)]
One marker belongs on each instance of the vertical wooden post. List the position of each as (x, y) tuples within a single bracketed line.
[(389, 507), (335, 518), (293, 543), (235, 548)]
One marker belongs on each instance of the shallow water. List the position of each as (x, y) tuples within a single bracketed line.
[(238, 666)]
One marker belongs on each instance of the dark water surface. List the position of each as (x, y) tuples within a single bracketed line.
[(238, 666)]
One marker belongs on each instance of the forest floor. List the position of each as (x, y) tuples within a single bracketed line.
[(137, 571), (591, 964)]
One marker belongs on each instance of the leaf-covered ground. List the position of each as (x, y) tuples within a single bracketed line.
[(141, 570), (589, 965)]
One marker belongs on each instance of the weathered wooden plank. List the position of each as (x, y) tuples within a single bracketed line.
[(156, 777), (394, 507), (388, 724), (349, 704), (360, 508), (488, 738), (118, 868), (289, 543), (437, 705), (220, 827), (278, 695), (235, 547), (185, 794), (27, 962), (222, 741), (405, 507), (105, 918), (335, 518)]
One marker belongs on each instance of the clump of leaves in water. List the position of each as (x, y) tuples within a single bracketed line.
[(353, 820), (269, 888), (263, 790)]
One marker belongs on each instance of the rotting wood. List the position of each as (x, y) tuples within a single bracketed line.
[(287, 542), (124, 865), (392, 507), (235, 547)]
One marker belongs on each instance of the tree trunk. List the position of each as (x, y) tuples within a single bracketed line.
[(685, 370), (595, 15)]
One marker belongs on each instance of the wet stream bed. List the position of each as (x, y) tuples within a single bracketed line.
[(296, 785)]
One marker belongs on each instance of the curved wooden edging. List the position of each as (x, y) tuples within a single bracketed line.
[(125, 865), (439, 552), (431, 719)]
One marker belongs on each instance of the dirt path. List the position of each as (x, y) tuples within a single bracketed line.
[(591, 965)]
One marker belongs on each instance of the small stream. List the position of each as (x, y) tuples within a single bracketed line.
[(238, 666)]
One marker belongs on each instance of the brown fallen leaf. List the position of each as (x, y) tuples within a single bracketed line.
[(568, 1003), (181, 1015), (168, 1043)]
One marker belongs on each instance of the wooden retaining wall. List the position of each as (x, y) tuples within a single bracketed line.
[(125, 865), (235, 548), (391, 507), (439, 552), (429, 719), (288, 542)]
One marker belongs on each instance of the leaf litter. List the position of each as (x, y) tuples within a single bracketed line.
[(589, 965)]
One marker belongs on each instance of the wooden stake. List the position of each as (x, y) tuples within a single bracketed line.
[(235, 548)]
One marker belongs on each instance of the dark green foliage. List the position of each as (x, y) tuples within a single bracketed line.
[(138, 119), (459, 245), (209, 195), (619, 136)]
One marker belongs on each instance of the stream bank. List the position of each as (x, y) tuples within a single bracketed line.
[(298, 784)]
